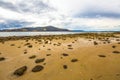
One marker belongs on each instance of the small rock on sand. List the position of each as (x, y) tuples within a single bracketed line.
[(102, 56), (95, 43), (2, 58), (32, 57), (116, 52), (30, 46), (37, 68), (65, 66), (74, 60), (20, 71), (113, 46), (64, 54), (39, 60), (48, 54)]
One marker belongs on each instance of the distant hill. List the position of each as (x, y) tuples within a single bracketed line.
[(35, 29)]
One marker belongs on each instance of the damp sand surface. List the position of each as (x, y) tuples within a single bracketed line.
[(65, 57)]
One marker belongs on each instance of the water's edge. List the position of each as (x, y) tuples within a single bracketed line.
[(10, 34)]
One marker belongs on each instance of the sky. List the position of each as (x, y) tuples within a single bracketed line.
[(89, 15)]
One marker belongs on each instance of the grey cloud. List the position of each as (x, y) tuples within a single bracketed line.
[(98, 15), (30, 6), (8, 5), (97, 12), (14, 24)]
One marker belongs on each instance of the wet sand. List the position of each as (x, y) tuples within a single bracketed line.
[(89, 56)]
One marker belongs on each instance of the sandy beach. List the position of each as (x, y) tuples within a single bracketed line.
[(88, 56)]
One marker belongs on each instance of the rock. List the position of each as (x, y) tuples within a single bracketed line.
[(2, 58), (64, 54), (32, 57), (39, 60), (48, 54), (69, 45), (65, 66), (113, 46), (44, 63), (12, 44), (20, 71), (37, 68), (25, 52), (70, 48), (95, 43), (116, 52), (30, 46), (102, 56), (49, 49), (74, 60)]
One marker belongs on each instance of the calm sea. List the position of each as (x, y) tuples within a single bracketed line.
[(6, 34)]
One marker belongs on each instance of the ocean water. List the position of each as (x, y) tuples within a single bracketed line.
[(6, 34)]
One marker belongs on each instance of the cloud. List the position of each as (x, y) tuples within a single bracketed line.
[(9, 24), (8, 5), (71, 14)]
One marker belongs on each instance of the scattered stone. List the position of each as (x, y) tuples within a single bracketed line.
[(19, 47), (64, 54), (39, 60), (95, 43), (65, 66), (91, 79), (102, 56), (32, 57), (61, 57), (20, 71), (74, 60), (70, 48), (30, 46), (113, 46), (46, 42), (49, 49), (116, 52), (25, 52), (44, 63), (117, 74), (73, 42), (117, 39), (37, 68), (12, 45), (2, 58), (69, 45), (104, 42), (118, 42), (48, 54), (26, 44)]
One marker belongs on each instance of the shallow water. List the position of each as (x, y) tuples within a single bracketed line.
[(6, 34)]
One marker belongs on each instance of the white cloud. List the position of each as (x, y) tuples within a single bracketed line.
[(61, 13)]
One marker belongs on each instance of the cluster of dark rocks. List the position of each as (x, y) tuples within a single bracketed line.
[(2, 58), (22, 70)]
